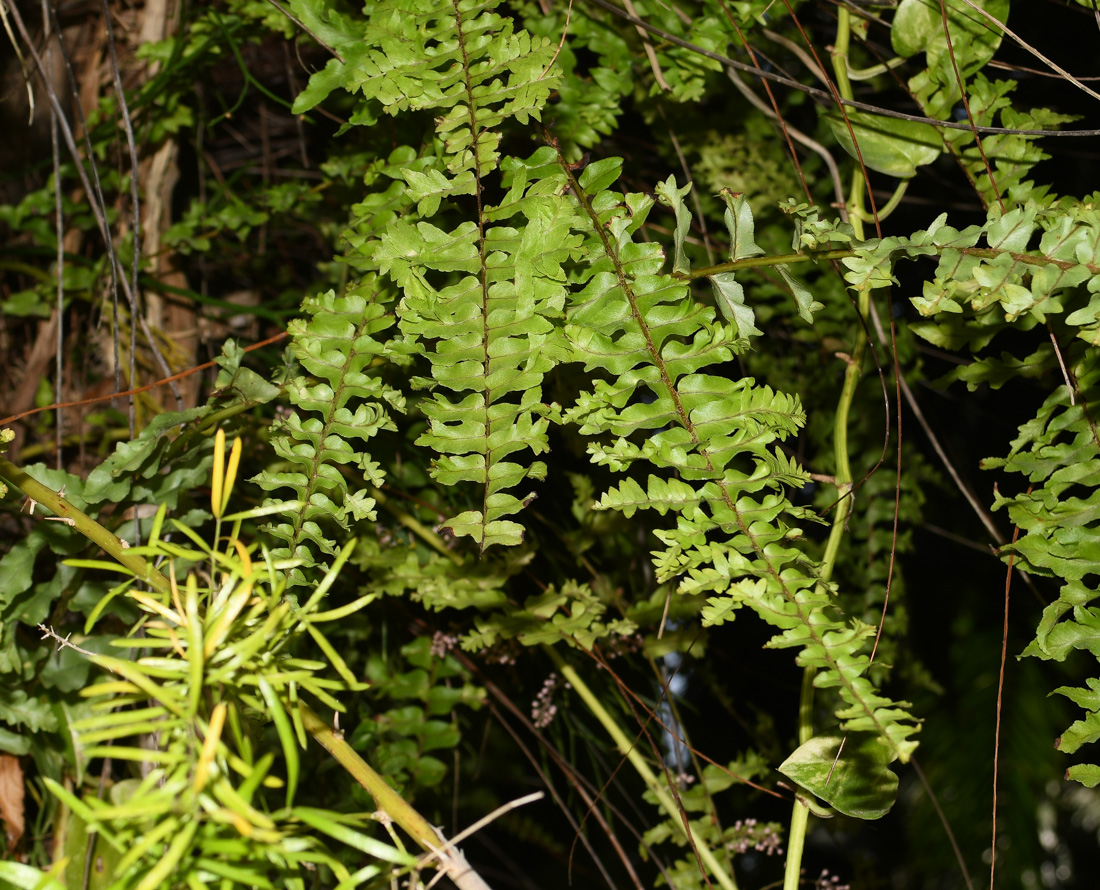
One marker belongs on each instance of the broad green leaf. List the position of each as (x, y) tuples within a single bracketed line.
[(730, 297), (17, 708), (888, 145), (853, 779), (918, 27), (14, 743)]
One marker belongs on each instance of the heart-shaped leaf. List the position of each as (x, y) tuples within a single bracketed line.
[(889, 145), (857, 783)]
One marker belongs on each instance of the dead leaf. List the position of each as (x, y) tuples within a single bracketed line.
[(11, 798)]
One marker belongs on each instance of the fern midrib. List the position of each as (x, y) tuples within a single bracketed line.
[(624, 284), (484, 271), (804, 614)]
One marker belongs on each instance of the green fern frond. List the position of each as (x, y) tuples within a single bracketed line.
[(490, 337), (715, 439), (460, 60), (480, 299), (1059, 517), (341, 406)]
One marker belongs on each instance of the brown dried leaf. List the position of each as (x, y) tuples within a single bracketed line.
[(11, 798)]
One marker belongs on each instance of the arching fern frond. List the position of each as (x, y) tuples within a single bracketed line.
[(713, 442)]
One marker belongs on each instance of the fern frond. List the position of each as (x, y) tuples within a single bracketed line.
[(1059, 517), (460, 60), (490, 337), (714, 439), (341, 406), (479, 299)]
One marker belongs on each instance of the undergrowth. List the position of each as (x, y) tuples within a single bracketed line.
[(579, 371)]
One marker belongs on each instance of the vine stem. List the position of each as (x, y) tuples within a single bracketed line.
[(800, 816), (722, 874), (451, 861)]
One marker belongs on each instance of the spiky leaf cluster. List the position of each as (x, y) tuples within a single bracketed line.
[(211, 667)]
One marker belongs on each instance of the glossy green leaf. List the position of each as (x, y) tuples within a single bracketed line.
[(853, 779), (918, 27), (887, 145)]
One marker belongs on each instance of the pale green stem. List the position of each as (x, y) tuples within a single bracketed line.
[(83, 523), (388, 800), (787, 259), (840, 51), (889, 207), (721, 873), (874, 70), (800, 815)]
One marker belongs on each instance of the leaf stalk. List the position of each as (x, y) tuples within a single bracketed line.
[(721, 873)]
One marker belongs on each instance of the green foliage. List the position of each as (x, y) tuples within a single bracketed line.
[(1058, 453), (517, 308), (220, 663), (866, 792), (337, 346)]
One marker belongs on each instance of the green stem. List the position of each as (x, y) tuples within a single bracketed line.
[(388, 800), (875, 70), (800, 815), (889, 207), (83, 523), (451, 860), (722, 874), (784, 259)]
